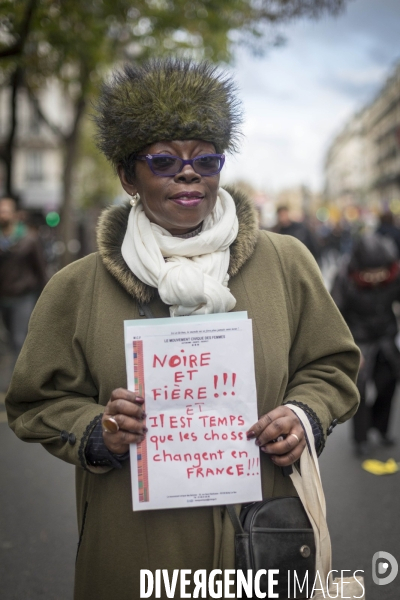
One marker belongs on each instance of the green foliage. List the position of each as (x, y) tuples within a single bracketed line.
[(78, 41), (75, 38)]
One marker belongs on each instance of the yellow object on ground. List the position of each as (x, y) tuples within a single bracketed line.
[(377, 467)]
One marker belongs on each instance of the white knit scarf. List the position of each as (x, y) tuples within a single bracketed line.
[(191, 274)]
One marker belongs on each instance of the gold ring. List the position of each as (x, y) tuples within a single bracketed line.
[(110, 425), (297, 438)]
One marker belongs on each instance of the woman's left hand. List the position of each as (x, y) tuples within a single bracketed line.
[(279, 422)]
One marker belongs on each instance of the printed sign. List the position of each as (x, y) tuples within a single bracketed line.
[(196, 375)]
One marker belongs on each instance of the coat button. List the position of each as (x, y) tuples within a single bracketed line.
[(64, 435), (72, 439), (305, 551)]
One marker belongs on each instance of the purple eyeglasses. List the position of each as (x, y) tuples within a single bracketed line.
[(165, 165)]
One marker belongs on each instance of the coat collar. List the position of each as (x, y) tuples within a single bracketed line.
[(111, 231)]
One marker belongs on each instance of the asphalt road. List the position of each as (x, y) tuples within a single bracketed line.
[(362, 509), (38, 533)]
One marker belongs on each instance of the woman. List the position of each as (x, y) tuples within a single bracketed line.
[(364, 291), (164, 126)]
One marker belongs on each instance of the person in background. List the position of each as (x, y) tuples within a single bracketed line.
[(364, 291), (298, 230), (388, 228), (22, 273)]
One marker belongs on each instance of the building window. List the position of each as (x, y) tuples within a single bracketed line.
[(34, 166)]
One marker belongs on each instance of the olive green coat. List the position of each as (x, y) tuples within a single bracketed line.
[(74, 357)]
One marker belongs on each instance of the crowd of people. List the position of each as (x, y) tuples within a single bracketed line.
[(365, 285)]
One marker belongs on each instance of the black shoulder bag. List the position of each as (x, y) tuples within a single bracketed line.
[(275, 534)]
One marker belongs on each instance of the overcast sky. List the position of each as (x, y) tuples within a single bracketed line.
[(297, 97)]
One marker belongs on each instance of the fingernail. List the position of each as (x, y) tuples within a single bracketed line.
[(258, 443), (250, 435), (145, 430), (143, 416), (139, 399)]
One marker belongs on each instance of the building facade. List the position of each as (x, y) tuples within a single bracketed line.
[(384, 130), (362, 164)]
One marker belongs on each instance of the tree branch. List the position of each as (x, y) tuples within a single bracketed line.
[(7, 150), (17, 48), (52, 126)]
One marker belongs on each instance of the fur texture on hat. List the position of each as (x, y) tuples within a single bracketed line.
[(165, 100)]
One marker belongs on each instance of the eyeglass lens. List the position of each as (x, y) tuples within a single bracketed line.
[(171, 165)]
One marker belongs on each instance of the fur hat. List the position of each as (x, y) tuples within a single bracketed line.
[(165, 100)]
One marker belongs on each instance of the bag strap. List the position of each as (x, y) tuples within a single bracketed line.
[(237, 525), (309, 488)]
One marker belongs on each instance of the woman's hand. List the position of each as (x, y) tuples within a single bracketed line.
[(125, 408), (279, 423)]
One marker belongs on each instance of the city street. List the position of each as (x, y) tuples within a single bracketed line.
[(38, 534), (211, 160)]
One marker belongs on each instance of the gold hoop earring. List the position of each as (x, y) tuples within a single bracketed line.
[(134, 200)]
